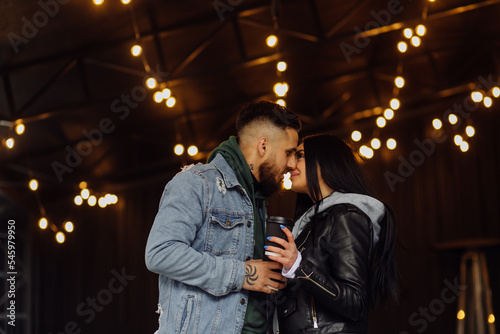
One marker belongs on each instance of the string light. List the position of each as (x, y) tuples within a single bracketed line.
[(20, 129), (391, 143), (399, 82), (408, 33), (271, 41), (280, 89), (166, 93), (178, 149), (92, 200), (366, 151), (437, 124), (356, 135), (402, 47), (151, 83), (375, 143), (287, 183), (389, 114), (192, 150), (395, 104), (281, 102), (33, 184), (452, 118), (470, 131), (415, 41), (98, 2), (69, 227), (281, 66), (495, 91), (78, 200), (461, 315), (158, 97), (487, 101), (60, 237), (125, 2), (458, 140), (464, 146), (82, 185), (136, 50), (85, 193), (170, 102), (491, 318), (43, 223), (476, 96), (102, 202), (421, 30), (381, 122), (10, 143)]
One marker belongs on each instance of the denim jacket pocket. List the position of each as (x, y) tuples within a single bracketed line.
[(224, 233), (184, 315)]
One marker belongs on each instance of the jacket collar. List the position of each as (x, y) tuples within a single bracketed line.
[(227, 172)]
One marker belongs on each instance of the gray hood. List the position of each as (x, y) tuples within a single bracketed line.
[(372, 207)]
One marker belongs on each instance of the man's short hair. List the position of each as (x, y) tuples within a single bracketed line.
[(265, 111)]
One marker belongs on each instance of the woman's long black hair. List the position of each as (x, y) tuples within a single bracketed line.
[(341, 172)]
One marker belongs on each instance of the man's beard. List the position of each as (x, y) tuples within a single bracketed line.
[(270, 178)]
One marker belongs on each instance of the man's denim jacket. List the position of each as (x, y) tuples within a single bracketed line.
[(200, 238)]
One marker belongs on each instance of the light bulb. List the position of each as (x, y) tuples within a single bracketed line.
[(356, 135), (437, 124), (60, 237), (421, 30), (470, 131), (452, 118), (381, 122), (281, 102), (10, 143), (151, 83), (170, 102), (391, 143), (158, 97), (33, 184), (85, 193), (98, 2), (495, 91), (109, 199), (476, 96), (464, 146), (415, 41), (271, 41), (178, 149), (166, 93), (375, 143), (281, 66), (20, 129), (287, 183), (388, 113), (458, 140), (82, 185), (102, 202), (491, 318), (402, 47), (92, 200), (395, 104), (69, 227), (399, 82), (136, 50), (78, 200), (114, 199), (461, 315), (192, 150), (487, 101), (280, 89), (408, 33), (366, 151), (125, 2), (43, 223)]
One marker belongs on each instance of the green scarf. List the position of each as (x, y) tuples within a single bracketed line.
[(255, 319)]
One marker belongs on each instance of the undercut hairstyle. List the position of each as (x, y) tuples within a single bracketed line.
[(267, 112), (341, 172)]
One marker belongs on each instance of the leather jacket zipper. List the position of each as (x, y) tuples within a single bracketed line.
[(313, 313), (308, 277), (303, 242)]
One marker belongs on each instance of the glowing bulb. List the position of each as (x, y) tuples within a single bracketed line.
[(458, 140), (166, 93), (491, 318), (487, 101), (476, 96), (402, 47), (280, 89), (33, 184), (495, 91), (43, 223), (60, 237), (125, 2), (470, 131), (464, 146), (281, 66), (421, 30), (391, 143), (108, 198), (102, 202), (114, 199), (381, 122), (78, 200), (388, 113), (461, 315), (281, 102), (151, 83), (356, 135), (415, 41), (452, 118), (136, 50), (395, 104), (85, 193), (366, 151), (408, 33), (20, 129), (375, 143), (399, 82), (178, 149), (158, 97), (98, 2), (92, 200), (271, 41), (82, 185), (9, 143), (437, 124), (192, 150), (287, 183), (69, 227), (170, 102)]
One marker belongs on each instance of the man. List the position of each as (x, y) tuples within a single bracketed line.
[(207, 240)]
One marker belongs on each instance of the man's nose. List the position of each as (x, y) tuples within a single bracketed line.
[(292, 163)]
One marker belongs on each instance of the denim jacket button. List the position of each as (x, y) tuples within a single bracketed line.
[(228, 223), (242, 301), (249, 223)]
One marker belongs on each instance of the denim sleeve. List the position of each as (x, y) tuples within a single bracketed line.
[(169, 250)]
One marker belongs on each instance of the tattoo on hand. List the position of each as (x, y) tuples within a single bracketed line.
[(250, 274), (250, 166)]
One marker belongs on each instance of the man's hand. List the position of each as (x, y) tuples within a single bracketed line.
[(259, 276)]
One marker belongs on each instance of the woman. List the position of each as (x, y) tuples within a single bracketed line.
[(342, 259)]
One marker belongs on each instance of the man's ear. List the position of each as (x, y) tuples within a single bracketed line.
[(262, 146)]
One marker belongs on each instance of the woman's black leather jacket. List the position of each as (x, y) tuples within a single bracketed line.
[(329, 293)]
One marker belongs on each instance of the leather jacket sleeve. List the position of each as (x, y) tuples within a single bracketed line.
[(335, 268)]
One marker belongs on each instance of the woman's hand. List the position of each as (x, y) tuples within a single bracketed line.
[(289, 254)]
